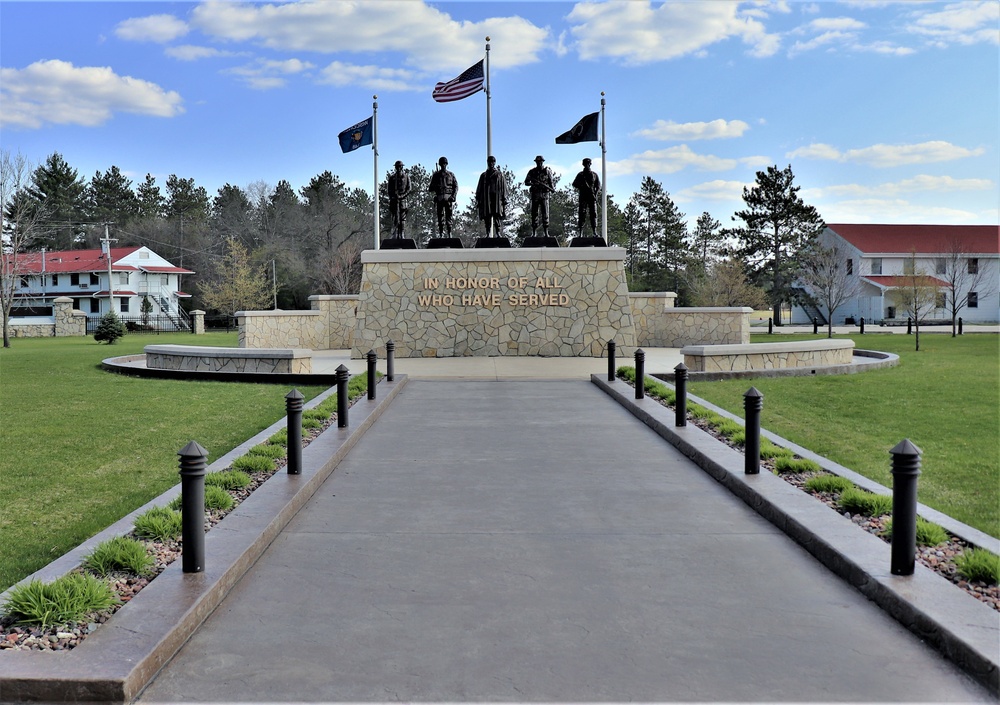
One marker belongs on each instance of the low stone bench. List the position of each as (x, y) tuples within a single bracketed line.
[(211, 359), (767, 356)]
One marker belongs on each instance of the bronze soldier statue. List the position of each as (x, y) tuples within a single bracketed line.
[(588, 186), (399, 188), (491, 197), (540, 182), (444, 185)]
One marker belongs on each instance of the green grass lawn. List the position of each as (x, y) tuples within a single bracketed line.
[(81, 447), (945, 398)]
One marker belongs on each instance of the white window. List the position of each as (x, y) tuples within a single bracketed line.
[(973, 265), (123, 306), (165, 280), (973, 300), (940, 266), (143, 255), (876, 265), (123, 277)]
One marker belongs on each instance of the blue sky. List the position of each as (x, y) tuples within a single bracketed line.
[(886, 111)]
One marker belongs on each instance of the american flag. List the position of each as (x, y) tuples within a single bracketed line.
[(471, 81)]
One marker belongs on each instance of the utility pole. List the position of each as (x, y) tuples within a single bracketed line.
[(106, 249)]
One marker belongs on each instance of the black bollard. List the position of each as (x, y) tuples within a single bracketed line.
[(905, 470), (342, 376), (753, 402), (815, 325), (909, 326), (372, 374), (293, 411), (681, 392), (611, 361), (193, 461), (640, 373), (862, 325), (390, 360), (770, 326), (960, 325)]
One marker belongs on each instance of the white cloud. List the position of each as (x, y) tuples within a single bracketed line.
[(717, 190), (960, 23), (889, 155), (429, 37), (638, 33), (896, 210), (58, 92), (836, 24), (919, 183), (373, 78), (190, 52), (669, 161), (155, 28), (715, 129), (266, 74)]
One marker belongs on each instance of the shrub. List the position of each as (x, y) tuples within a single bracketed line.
[(858, 501), (796, 465), (626, 373), (979, 564), (828, 483), (279, 438), (218, 498), (158, 524), (253, 463), (769, 450), (268, 450), (697, 411), (928, 533), (311, 423), (229, 479), (215, 498), (728, 427), (109, 329), (317, 413), (120, 554), (67, 599)]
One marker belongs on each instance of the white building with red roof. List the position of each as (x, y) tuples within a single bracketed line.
[(877, 257), (136, 273)]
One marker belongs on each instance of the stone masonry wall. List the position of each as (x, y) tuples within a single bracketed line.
[(282, 329), (65, 321), (677, 327), (438, 303), (767, 356), (341, 314)]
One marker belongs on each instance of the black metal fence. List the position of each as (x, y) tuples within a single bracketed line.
[(220, 322), (145, 325)]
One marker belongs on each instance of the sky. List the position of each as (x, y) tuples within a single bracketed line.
[(887, 112)]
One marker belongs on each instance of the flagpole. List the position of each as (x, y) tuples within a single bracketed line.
[(489, 124), (604, 175), (375, 160)]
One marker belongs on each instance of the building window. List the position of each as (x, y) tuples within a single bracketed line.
[(74, 279), (973, 300), (940, 266), (850, 266), (94, 279), (876, 265), (124, 304), (940, 300), (55, 280), (123, 278), (95, 305), (23, 282), (973, 265), (165, 280), (143, 254), (909, 266)]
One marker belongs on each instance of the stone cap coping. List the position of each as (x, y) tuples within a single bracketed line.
[(279, 312), (205, 351), (654, 295), (333, 297), (520, 254), (763, 348), (713, 309)]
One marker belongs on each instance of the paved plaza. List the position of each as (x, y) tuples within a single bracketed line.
[(531, 541)]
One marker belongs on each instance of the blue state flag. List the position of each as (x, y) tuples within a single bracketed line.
[(356, 136)]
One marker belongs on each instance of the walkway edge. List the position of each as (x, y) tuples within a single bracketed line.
[(116, 662), (963, 629)]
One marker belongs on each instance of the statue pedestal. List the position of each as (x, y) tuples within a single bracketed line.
[(398, 243), (553, 302)]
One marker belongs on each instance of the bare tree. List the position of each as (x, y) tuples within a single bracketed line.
[(343, 271), (964, 274), (726, 284), (916, 294), (824, 272), (236, 284), (22, 218)]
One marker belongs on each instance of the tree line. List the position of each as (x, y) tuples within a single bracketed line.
[(308, 241)]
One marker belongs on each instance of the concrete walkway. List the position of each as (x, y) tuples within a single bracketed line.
[(531, 541)]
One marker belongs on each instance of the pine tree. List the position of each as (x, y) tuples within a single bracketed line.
[(110, 328), (109, 199), (777, 225), (57, 189)]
